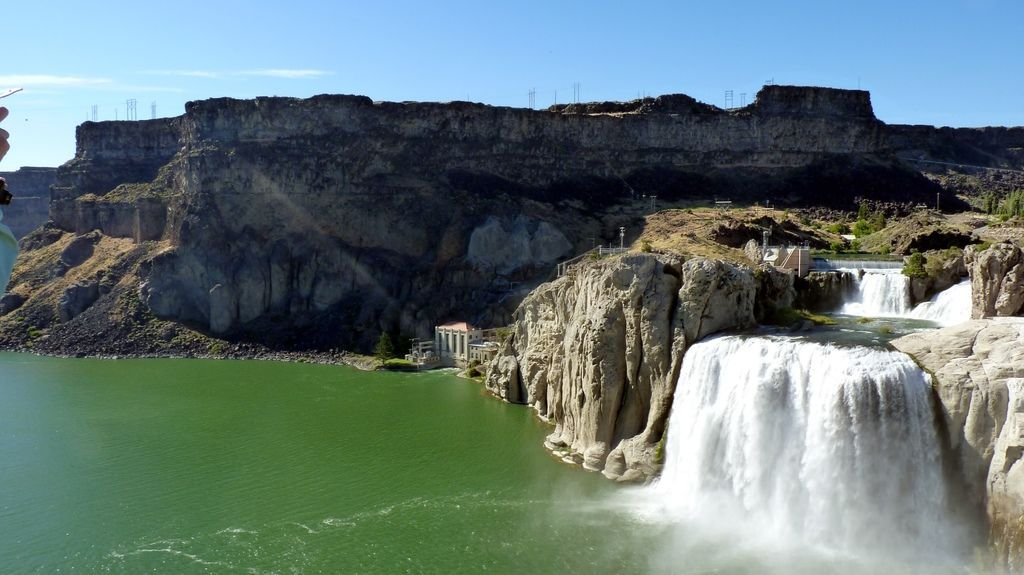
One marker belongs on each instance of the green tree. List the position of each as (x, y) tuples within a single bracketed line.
[(1013, 205), (862, 228), (863, 211), (991, 203), (914, 267), (384, 350)]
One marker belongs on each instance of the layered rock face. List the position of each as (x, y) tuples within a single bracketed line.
[(31, 206), (979, 377), (824, 291), (597, 352), (322, 222), (997, 279)]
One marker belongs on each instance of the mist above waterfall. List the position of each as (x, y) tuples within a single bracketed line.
[(808, 444)]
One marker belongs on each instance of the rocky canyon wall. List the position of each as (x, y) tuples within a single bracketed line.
[(31, 207), (322, 222)]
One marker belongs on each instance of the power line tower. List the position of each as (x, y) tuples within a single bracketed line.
[(728, 99), (129, 110), (743, 99), (95, 113), (533, 97), (577, 92), (152, 110)]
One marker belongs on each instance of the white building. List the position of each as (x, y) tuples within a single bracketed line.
[(458, 343)]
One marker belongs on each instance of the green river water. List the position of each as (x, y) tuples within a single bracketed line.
[(179, 466)]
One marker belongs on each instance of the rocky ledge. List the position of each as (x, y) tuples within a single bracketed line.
[(978, 367), (597, 352)]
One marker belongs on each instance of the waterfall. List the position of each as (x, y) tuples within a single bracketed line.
[(947, 307), (880, 293), (802, 441), (825, 264)]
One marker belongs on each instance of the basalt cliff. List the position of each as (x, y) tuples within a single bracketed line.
[(31, 209), (319, 223)]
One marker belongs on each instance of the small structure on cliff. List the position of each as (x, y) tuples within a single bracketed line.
[(459, 344), (796, 258), (422, 353)]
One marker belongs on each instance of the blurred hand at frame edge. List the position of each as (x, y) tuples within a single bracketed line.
[(4, 145)]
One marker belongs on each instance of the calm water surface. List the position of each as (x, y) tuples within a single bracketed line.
[(176, 466), (237, 467)]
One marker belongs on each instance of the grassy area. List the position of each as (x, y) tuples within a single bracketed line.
[(788, 316), (398, 364)]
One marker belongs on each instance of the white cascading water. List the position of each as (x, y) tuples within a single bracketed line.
[(948, 307), (880, 293), (807, 442)]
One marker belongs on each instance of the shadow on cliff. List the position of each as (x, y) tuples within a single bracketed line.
[(837, 182)]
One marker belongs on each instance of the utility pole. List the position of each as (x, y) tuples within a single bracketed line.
[(622, 237)]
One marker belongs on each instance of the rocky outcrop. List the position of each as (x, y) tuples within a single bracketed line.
[(31, 206), (597, 351), (945, 268), (776, 290), (824, 291), (978, 368), (997, 279)]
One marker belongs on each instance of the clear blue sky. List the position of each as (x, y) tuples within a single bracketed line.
[(942, 62)]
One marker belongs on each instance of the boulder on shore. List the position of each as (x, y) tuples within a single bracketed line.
[(997, 279)]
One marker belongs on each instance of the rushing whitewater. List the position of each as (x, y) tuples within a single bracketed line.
[(807, 442), (948, 307), (880, 293)]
